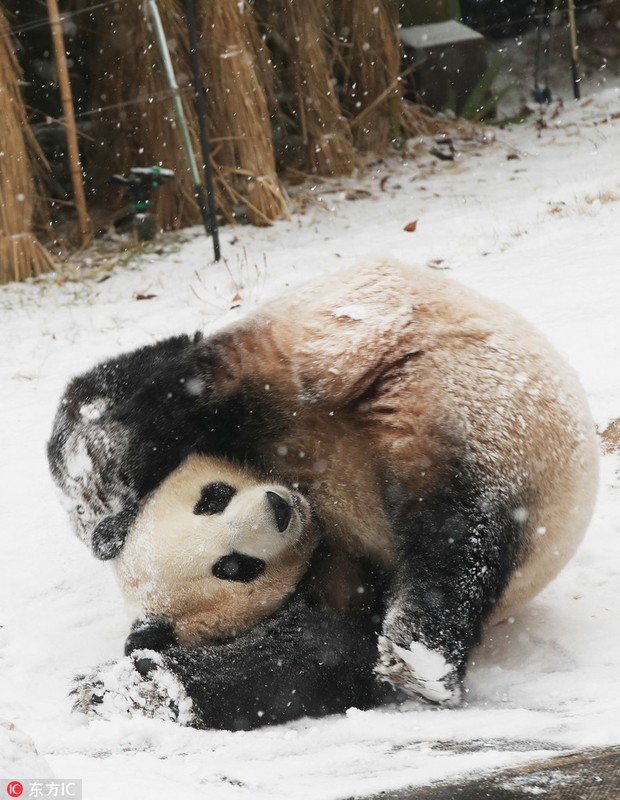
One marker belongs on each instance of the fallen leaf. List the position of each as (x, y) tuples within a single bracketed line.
[(411, 226), (356, 194), (145, 296), (236, 298)]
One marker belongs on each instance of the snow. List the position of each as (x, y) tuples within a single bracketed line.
[(352, 312), (530, 218), (79, 463), (429, 668), (125, 691), (93, 411), (18, 755), (429, 664)]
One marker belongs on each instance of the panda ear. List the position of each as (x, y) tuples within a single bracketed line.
[(239, 567)]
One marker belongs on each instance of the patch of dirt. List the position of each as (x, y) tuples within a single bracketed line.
[(591, 775), (610, 437)]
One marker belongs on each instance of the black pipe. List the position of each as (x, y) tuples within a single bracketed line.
[(202, 126)]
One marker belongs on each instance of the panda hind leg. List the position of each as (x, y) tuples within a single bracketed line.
[(456, 552)]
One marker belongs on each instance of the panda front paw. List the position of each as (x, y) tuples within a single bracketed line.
[(89, 461), (138, 684), (419, 671), (150, 633)]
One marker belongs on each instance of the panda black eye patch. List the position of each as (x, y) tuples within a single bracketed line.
[(238, 567), (214, 498)]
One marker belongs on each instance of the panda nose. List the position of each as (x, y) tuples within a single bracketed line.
[(282, 510)]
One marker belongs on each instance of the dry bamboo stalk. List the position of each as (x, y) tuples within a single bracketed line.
[(238, 107), (21, 254), (324, 130), (66, 98), (136, 126), (370, 54)]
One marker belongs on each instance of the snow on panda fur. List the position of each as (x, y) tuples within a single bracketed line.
[(434, 432)]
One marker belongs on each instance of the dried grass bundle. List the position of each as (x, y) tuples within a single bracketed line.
[(21, 254), (238, 93), (370, 57), (325, 132), (418, 120), (136, 126)]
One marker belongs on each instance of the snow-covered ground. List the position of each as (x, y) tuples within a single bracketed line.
[(531, 218)]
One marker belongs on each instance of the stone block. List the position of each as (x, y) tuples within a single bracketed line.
[(448, 60)]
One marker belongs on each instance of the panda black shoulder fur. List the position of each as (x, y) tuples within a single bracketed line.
[(434, 432)]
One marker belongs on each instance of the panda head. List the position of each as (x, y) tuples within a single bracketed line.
[(215, 549)]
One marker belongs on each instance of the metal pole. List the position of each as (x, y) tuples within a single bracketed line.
[(179, 112), (574, 50), (542, 94), (202, 124)]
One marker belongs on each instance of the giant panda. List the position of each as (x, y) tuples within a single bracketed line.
[(434, 432)]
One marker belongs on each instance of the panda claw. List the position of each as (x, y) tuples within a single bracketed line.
[(110, 534), (86, 693), (419, 672)]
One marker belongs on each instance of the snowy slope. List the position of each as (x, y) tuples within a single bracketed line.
[(531, 218)]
